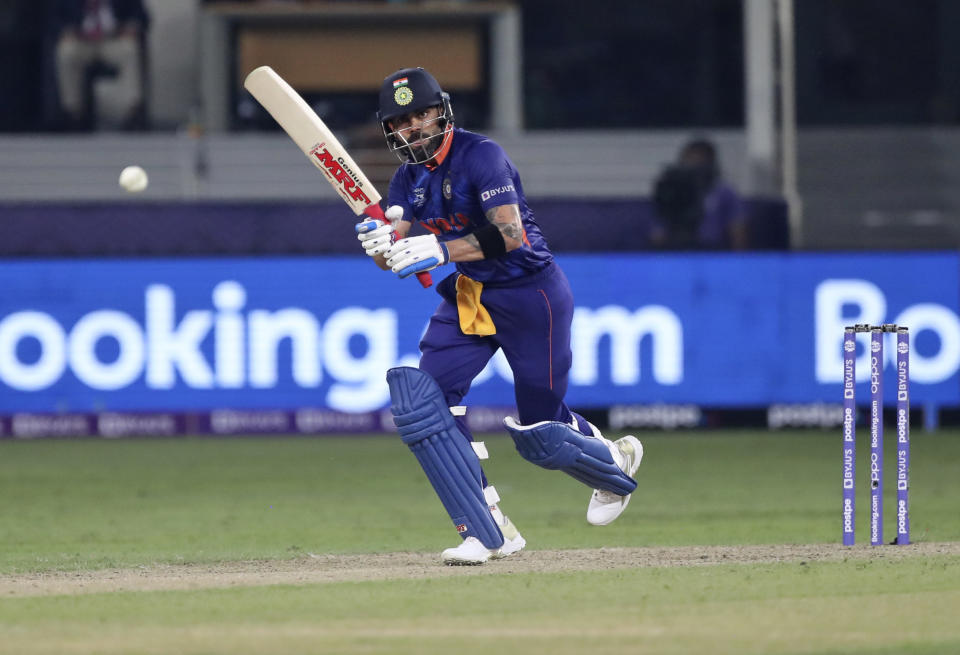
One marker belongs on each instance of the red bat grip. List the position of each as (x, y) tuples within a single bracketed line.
[(374, 211)]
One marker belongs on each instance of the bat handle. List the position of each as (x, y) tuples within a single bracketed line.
[(374, 211)]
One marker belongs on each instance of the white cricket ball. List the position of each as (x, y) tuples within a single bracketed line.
[(133, 179)]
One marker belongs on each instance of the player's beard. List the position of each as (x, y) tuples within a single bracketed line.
[(426, 151)]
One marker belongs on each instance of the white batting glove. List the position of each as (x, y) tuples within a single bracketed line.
[(376, 236), (416, 254)]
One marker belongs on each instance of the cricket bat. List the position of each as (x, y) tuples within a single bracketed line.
[(318, 143)]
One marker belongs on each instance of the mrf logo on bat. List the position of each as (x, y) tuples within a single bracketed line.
[(338, 171)]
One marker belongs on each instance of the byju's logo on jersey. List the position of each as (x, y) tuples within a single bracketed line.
[(419, 196), (489, 193)]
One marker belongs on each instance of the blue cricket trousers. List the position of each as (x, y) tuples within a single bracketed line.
[(532, 316)]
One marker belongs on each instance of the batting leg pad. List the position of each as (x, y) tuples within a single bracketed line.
[(428, 428), (556, 445)]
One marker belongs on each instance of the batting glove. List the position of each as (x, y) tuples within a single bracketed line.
[(376, 236), (416, 254)]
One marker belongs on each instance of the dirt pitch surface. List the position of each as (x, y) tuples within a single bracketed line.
[(320, 569)]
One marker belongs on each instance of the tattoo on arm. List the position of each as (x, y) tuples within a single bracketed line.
[(507, 220), (472, 240)]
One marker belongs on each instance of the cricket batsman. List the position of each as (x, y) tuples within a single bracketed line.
[(506, 292)]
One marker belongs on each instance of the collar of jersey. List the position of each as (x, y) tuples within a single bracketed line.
[(442, 153)]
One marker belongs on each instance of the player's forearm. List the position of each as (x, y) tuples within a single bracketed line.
[(464, 249), (506, 219)]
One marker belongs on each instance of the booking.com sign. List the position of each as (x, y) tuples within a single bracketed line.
[(286, 333)]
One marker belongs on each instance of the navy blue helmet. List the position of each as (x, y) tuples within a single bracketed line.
[(410, 90)]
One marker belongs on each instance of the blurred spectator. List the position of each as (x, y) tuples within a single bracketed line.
[(695, 209), (98, 38)]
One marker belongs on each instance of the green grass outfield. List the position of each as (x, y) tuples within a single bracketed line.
[(78, 506)]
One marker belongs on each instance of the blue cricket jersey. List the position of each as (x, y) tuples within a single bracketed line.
[(451, 200)]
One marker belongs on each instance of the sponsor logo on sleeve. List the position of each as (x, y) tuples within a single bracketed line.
[(490, 193)]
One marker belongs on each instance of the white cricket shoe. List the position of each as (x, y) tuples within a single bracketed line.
[(606, 506), (513, 542), (472, 552)]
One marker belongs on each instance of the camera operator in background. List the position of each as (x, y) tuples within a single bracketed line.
[(695, 209)]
